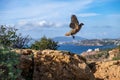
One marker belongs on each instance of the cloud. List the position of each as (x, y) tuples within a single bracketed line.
[(28, 25), (114, 15), (88, 14), (37, 29), (102, 27), (49, 10)]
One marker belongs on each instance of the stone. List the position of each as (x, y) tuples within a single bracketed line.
[(109, 70), (113, 53), (54, 65)]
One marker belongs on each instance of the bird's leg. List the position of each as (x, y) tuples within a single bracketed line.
[(73, 37)]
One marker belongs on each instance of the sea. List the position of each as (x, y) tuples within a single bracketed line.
[(79, 49)]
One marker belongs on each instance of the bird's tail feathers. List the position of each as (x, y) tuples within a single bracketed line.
[(67, 34)]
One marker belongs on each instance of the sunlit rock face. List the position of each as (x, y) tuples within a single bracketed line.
[(57, 65), (109, 70), (61, 65)]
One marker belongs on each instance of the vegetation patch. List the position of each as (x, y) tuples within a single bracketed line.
[(99, 55), (118, 54), (45, 43), (9, 64)]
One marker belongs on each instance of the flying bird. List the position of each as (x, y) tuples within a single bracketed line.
[(75, 26)]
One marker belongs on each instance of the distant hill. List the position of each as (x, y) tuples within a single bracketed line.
[(67, 39)]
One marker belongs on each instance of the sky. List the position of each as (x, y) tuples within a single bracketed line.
[(51, 18)]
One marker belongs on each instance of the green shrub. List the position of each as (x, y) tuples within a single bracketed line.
[(7, 35), (45, 43), (8, 64), (10, 38), (99, 55), (118, 54), (116, 58), (119, 48)]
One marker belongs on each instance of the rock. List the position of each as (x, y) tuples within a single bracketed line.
[(113, 53), (24, 51), (26, 64), (54, 65), (109, 70), (57, 65), (89, 53)]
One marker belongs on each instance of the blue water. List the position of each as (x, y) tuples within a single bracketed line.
[(80, 49)]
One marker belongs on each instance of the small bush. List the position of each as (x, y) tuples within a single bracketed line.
[(45, 43), (10, 38), (99, 55), (116, 58), (7, 35), (118, 54), (8, 64)]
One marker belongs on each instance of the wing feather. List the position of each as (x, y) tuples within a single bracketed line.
[(74, 22), (72, 25)]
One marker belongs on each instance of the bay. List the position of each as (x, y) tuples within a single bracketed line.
[(79, 49)]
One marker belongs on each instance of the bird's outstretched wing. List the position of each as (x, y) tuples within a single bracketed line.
[(74, 22), (74, 19), (72, 25)]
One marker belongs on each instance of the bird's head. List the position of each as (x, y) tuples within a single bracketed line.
[(81, 24)]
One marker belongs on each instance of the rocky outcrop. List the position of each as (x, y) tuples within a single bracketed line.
[(55, 65), (103, 55), (113, 53), (60, 65), (103, 65), (89, 53), (26, 64), (109, 70)]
